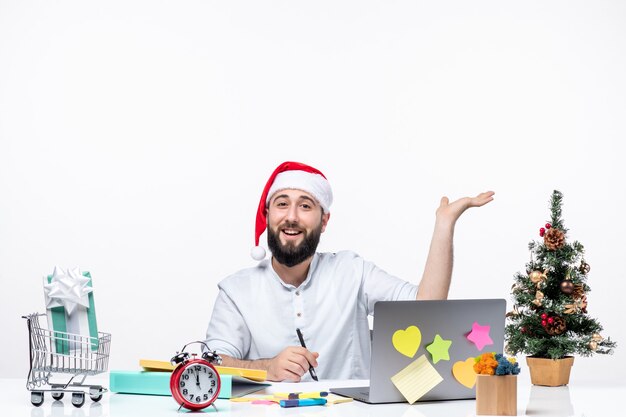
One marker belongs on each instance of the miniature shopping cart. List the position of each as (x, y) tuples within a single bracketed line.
[(53, 352)]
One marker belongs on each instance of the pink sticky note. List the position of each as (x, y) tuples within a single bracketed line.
[(263, 402), (480, 335)]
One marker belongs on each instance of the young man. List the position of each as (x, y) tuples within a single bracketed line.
[(328, 296)]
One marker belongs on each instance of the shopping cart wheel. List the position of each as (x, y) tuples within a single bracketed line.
[(36, 398), (95, 394), (78, 399), (57, 395)]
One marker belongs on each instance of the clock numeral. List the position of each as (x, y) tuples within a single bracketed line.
[(190, 370), (185, 377), (191, 397), (197, 368), (210, 391), (185, 392), (212, 382), (206, 397), (198, 399), (210, 374), (182, 384)]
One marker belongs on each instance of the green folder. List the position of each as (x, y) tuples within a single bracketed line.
[(158, 383)]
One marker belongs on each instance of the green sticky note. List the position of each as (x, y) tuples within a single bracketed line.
[(439, 349)]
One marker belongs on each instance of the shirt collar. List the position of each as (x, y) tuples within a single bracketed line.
[(306, 282)]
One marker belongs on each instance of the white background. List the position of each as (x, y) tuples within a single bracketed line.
[(136, 137)]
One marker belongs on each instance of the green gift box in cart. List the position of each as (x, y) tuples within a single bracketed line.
[(71, 311)]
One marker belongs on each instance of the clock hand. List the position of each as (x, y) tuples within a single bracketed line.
[(197, 378)]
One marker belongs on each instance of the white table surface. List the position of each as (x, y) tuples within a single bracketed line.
[(579, 399)]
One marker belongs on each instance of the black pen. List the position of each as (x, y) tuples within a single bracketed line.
[(311, 369)]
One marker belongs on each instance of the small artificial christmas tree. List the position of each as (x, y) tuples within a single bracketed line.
[(549, 317)]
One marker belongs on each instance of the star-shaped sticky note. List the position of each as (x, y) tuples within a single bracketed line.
[(439, 349), (480, 335)]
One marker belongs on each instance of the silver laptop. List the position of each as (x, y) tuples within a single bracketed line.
[(453, 320)]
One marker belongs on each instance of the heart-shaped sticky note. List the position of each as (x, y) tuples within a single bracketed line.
[(464, 372), (407, 341)]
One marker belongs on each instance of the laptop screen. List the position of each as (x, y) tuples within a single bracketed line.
[(449, 334)]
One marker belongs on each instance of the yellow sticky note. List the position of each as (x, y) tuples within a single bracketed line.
[(336, 399), (250, 399), (407, 341), (416, 379)]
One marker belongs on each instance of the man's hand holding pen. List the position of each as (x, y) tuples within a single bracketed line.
[(291, 364)]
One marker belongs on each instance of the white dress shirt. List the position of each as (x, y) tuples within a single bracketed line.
[(256, 314)]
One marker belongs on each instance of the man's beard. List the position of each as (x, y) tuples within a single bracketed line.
[(291, 254)]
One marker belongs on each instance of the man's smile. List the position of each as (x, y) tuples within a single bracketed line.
[(291, 233)]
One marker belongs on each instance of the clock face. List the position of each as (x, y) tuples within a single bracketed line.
[(198, 384)]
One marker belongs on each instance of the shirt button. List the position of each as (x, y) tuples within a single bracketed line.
[(297, 292), (299, 314)]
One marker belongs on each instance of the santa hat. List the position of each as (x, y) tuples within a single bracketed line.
[(290, 175)]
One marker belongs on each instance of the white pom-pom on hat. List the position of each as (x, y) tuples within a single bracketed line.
[(297, 176), (257, 253)]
